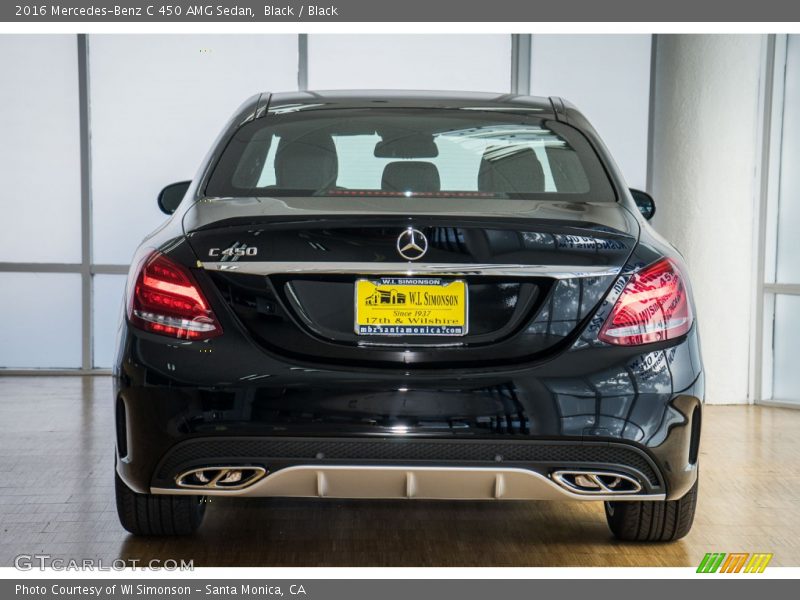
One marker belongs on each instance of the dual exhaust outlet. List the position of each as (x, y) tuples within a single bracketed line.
[(597, 482), (372, 482), (220, 478)]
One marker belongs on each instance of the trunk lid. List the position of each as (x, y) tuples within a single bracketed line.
[(532, 272)]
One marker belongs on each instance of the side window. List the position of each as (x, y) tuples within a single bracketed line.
[(256, 167), (541, 154), (359, 169), (460, 157), (267, 176), (458, 162), (565, 168), (433, 152)]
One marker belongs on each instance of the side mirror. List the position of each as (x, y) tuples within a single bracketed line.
[(645, 203), (170, 197)]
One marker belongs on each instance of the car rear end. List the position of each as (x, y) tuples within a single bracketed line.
[(419, 297)]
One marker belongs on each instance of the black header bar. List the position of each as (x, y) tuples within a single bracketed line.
[(253, 11)]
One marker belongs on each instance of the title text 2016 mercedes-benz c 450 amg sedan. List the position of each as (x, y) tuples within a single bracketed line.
[(408, 295)]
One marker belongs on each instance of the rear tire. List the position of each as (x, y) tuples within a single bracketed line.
[(151, 514), (660, 521)]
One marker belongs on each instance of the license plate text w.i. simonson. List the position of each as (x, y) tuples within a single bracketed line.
[(410, 306)]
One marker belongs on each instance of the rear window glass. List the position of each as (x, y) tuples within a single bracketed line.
[(409, 152)]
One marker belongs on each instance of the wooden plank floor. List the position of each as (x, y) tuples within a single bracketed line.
[(56, 497)]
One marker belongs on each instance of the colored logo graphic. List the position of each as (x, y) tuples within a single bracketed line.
[(741, 562), (385, 297)]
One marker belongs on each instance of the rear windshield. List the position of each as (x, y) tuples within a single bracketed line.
[(410, 152)]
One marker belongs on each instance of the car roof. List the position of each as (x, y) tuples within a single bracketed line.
[(311, 100)]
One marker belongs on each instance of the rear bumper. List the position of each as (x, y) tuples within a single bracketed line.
[(383, 460), (426, 483), (614, 409)]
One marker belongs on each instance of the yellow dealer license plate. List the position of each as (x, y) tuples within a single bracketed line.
[(410, 306)]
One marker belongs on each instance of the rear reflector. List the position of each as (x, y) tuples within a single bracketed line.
[(653, 307), (167, 300)]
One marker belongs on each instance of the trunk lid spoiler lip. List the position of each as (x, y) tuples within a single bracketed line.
[(606, 217)]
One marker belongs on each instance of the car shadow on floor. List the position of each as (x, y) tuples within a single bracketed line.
[(289, 532)]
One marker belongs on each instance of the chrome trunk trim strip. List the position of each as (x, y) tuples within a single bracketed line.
[(410, 269)]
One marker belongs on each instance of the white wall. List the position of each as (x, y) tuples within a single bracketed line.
[(705, 128), (432, 62), (157, 103), (782, 262), (40, 325), (40, 149), (608, 78), (787, 266), (106, 310), (40, 202)]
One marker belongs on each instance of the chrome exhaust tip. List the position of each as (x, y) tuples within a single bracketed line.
[(220, 478), (597, 482)]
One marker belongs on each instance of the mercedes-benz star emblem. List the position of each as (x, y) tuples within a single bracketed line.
[(412, 244)]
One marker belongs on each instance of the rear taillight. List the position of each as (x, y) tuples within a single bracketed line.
[(166, 299), (653, 307)]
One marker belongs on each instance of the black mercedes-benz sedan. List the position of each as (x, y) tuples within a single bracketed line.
[(422, 295)]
